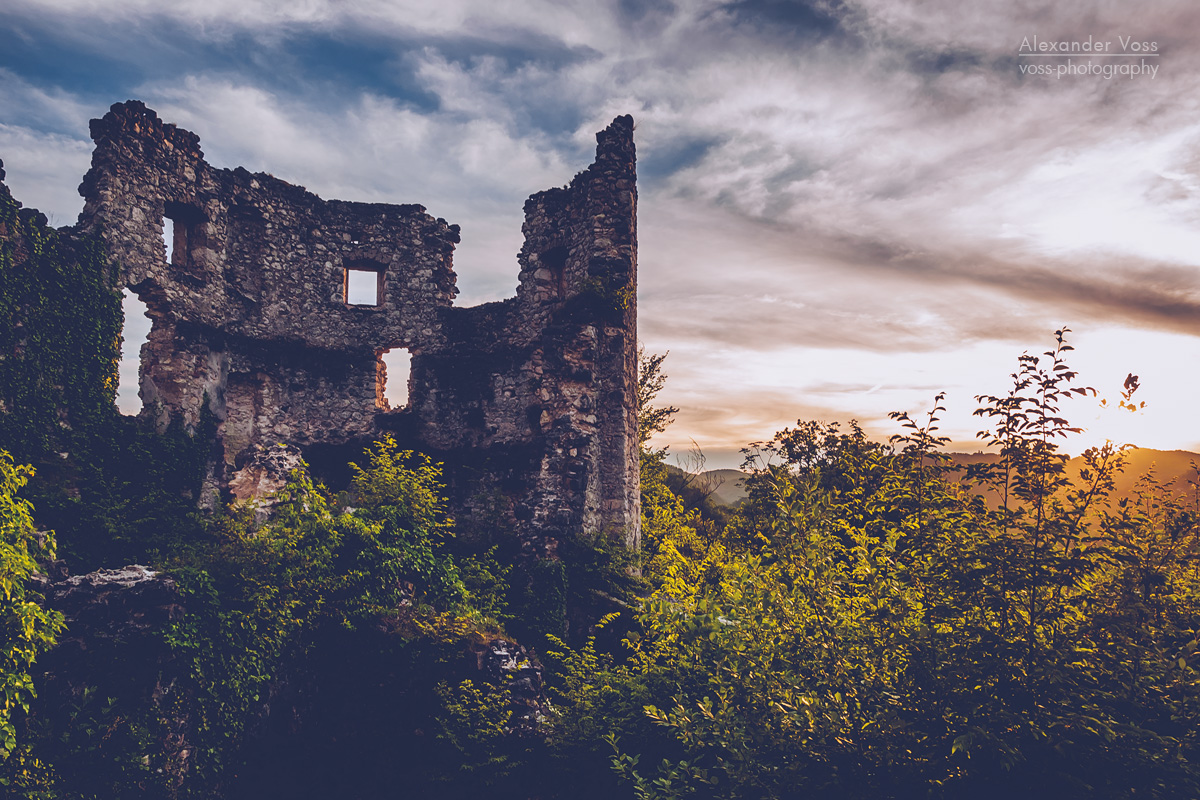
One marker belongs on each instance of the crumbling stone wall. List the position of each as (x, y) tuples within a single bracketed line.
[(529, 401)]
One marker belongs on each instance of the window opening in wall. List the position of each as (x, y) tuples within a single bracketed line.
[(363, 286), (392, 391), (555, 260), (183, 231), (169, 238), (134, 331)]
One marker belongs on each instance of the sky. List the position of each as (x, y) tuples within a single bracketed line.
[(845, 208)]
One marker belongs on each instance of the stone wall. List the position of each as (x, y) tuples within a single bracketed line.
[(530, 401)]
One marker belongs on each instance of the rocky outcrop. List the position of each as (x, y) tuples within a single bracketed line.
[(114, 605), (509, 665), (348, 693), (264, 472), (113, 655)]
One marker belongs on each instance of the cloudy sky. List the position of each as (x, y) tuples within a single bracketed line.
[(845, 207)]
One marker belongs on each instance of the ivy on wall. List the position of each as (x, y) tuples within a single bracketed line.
[(114, 490), (60, 332)]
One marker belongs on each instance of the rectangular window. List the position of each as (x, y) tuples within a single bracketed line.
[(392, 371), (363, 287)]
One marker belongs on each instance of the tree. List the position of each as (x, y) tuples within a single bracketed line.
[(651, 419)]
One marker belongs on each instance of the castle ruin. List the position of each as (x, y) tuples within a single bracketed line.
[(530, 402)]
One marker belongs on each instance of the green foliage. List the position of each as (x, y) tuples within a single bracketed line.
[(102, 743), (614, 294), (406, 527), (474, 720), (867, 626), (267, 592), (487, 583), (598, 699), (60, 330), (651, 380), (543, 605), (29, 629), (268, 605), (669, 527), (668, 524), (130, 493), (697, 489), (589, 575)]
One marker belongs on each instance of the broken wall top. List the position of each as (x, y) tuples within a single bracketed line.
[(250, 315), (255, 257)]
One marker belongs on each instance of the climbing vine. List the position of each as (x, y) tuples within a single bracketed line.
[(115, 490), (60, 334)]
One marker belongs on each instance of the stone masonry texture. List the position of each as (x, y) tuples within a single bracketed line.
[(530, 402)]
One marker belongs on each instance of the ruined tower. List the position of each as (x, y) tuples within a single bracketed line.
[(530, 402)]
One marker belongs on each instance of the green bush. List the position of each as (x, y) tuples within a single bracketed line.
[(870, 627), (29, 629)]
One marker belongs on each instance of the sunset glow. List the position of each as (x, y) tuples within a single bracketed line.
[(842, 212)]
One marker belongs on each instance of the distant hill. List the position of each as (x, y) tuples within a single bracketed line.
[(727, 485), (730, 483), (1167, 465)]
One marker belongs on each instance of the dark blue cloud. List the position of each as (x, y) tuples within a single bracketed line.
[(53, 64), (108, 61), (644, 18), (332, 63), (667, 158), (942, 61), (793, 18), (514, 48), (640, 10)]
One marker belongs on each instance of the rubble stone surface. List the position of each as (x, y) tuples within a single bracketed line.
[(114, 604), (530, 402), (264, 472)]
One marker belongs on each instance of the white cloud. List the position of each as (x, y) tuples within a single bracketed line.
[(52, 108), (47, 151), (893, 194), (577, 23), (43, 169)]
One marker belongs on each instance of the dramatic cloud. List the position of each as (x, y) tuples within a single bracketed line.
[(845, 206)]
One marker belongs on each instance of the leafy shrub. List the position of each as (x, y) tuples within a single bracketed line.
[(29, 629), (868, 626)]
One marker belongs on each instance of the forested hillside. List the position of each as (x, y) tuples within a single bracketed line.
[(728, 486)]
